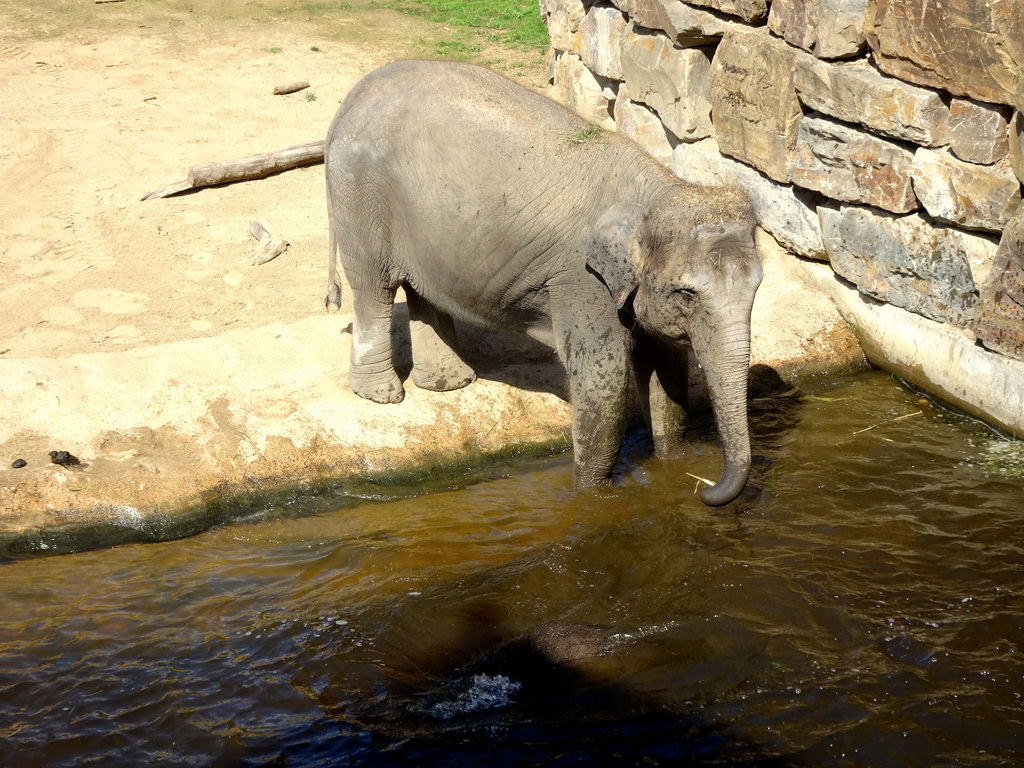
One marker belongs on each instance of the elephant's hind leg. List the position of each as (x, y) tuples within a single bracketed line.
[(372, 372), (436, 364)]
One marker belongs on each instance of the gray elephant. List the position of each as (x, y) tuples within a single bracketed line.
[(494, 205)]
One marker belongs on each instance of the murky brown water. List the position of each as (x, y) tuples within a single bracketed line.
[(864, 606)]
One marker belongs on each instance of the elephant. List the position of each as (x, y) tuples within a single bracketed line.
[(493, 205)]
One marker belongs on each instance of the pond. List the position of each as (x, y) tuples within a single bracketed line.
[(862, 604)]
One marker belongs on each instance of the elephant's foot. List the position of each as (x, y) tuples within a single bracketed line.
[(436, 365), (376, 386), (454, 374)]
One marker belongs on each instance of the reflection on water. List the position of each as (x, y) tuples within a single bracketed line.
[(861, 605)]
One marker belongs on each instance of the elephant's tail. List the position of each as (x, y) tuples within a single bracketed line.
[(333, 283)]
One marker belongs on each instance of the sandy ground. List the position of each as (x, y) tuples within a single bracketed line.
[(134, 334), (93, 120)]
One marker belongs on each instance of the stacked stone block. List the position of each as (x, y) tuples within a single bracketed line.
[(884, 136)]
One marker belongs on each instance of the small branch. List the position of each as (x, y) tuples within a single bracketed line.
[(298, 85), (889, 421), (101, 2), (245, 169), (170, 189), (271, 246), (702, 479)]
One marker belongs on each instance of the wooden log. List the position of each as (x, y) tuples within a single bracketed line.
[(245, 169), (298, 85), (256, 166), (270, 247)]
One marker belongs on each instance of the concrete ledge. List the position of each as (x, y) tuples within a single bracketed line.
[(166, 431), (942, 360)]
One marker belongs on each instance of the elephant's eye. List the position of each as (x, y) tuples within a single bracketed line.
[(685, 298)]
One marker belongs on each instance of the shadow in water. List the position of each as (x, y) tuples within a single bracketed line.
[(552, 696)]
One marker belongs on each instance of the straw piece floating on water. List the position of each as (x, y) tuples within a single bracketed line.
[(889, 421), (699, 480)]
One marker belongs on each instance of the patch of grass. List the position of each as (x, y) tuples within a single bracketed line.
[(310, 96), (585, 134), (456, 49), (273, 49), (513, 23)]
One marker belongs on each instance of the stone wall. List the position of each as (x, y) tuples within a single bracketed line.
[(885, 137)]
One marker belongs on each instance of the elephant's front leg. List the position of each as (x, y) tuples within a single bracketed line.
[(372, 371), (436, 364), (662, 376), (592, 345)]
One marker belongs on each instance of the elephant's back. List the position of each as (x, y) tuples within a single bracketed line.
[(458, 118), (463, 97)]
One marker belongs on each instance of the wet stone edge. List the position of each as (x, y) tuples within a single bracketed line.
[(274, 498)]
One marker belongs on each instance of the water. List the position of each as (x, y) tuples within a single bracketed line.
[(862, 604)]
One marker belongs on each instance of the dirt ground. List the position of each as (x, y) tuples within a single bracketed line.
[(134, 335), (104, 103)]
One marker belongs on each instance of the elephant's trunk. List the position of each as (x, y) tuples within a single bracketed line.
[(725, 358)]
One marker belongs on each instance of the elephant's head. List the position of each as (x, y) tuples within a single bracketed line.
[(690, 267)]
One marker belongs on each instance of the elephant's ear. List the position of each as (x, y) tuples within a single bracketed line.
[(610, 251)]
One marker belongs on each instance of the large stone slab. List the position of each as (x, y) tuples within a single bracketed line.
[(672, 81), (830, 29), (906, 261), (971, 196), (967, 47), (858, 93), (786, 212), (686, 26), (578, 89), (563, 19), (851, 165), (642, 125), (1000, 321), (599, 40), (978, 132), (753, 100), (751, 11)]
